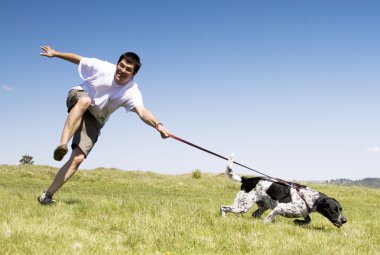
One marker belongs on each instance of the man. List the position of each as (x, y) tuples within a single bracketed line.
[(106, 88)]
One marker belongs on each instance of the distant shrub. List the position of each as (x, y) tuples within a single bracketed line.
[(196, 174), (26, 160)]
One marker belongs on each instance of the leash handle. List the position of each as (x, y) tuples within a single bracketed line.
[(215, 154)]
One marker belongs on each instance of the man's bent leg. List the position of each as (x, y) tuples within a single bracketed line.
[(67, 170), (72, 123)]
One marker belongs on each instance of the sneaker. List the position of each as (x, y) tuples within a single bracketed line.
[(60, 152), (43, 199)]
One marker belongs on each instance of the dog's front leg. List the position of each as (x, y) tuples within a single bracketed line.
[(290, 210), (282, 209), (306, 220), (262, 208), (273, 214)]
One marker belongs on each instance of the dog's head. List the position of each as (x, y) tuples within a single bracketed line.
[(331, 209)]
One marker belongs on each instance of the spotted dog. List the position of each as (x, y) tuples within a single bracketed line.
[(290, 200)]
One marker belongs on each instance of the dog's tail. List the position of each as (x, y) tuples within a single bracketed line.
[(229, 172)]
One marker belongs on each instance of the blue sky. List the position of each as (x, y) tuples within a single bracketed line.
[(291, 87)]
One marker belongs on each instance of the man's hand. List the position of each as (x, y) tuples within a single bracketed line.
[(163, 131), (48, 51)]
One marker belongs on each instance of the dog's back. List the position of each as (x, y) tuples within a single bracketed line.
[(277, 191)]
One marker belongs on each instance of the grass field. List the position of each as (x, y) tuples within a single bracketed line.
[(108, 211)]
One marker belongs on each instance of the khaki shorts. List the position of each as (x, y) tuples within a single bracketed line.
[(88, 132)]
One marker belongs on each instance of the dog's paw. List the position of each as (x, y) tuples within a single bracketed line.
[(256, 215), (222, 212)]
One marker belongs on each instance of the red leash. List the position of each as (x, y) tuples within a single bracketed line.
[(215, 154)]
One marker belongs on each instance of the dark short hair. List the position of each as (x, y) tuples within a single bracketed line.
[(131, 58)]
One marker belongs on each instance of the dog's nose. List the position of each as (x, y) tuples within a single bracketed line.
[(344, 220)]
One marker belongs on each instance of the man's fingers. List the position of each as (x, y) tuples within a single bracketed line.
[(48, 51), (45, 54), (165, 134), (46, 48)]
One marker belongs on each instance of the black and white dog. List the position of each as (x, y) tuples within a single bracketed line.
[(286, 199)]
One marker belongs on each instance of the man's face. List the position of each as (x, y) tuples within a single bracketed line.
[(124, 72)]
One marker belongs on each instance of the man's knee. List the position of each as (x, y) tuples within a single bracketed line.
[(78, 157), (84, 102)]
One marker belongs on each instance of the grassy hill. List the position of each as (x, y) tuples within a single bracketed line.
[(108, 211)]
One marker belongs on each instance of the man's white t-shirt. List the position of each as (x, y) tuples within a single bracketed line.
[(106, 95)]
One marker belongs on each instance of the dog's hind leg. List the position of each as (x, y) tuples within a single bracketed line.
[(243, 202)]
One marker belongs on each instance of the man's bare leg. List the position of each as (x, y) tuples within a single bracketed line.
[(67, 170), (72, 123)]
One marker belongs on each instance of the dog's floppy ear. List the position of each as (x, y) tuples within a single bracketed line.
[(318, 204)]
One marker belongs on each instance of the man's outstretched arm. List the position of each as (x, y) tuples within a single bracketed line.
[(50, 52), (146, 116)]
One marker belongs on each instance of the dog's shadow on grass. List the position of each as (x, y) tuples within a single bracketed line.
[(72, 201), (314, 228)]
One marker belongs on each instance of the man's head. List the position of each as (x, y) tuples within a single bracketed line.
[(127, 66)]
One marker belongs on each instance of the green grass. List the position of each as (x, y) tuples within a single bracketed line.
[(108, 211)]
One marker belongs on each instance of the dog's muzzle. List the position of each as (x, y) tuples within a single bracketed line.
[(340, 221)]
